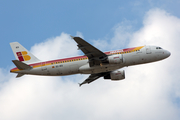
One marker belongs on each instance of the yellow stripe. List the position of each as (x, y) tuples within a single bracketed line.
[(135, 49)]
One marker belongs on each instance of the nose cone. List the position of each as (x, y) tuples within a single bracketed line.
[(168, 53)]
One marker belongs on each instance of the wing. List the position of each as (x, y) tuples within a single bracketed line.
[(93, 77), (94, 55)]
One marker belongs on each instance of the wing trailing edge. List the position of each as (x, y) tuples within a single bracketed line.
[(94, 55), (93, 77)]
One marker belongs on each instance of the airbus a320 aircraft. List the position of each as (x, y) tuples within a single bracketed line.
[(94, 62)]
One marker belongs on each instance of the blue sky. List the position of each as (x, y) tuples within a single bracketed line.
[(149, 91), (30, 22)]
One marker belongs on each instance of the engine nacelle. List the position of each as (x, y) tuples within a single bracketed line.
[(115, 59), (116, 75)]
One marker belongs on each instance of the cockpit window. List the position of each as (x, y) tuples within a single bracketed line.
[(158, 48)]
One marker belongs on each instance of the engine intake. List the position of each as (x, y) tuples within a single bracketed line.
[(116, 75)]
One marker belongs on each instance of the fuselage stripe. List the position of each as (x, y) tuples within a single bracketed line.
[(79, 58)]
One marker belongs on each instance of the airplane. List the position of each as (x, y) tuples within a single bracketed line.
[(94, 61)]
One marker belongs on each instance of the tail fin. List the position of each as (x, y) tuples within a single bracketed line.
[(22, 54)]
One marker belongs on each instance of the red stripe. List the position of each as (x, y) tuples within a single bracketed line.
[(78, 57)]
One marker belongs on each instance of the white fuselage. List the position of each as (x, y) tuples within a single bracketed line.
[(146, 54)]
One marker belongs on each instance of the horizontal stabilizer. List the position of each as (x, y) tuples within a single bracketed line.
[(20, 65), (19, 75)]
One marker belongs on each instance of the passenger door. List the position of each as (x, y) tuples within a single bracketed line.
[(44, 68), (148, 50)]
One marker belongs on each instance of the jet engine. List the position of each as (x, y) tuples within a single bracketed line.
[(116, 75), (115, 59)]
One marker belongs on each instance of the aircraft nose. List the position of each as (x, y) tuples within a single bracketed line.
[(168, 53)]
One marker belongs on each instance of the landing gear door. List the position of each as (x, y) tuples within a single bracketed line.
[(148, 50)]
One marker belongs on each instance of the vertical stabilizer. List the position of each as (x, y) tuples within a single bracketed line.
[(22, 54)]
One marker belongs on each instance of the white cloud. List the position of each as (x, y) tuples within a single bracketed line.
[(148, 92), (54, 48), (79, 34), (122, 34)]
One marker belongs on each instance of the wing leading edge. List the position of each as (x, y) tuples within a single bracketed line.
[(94, 55)]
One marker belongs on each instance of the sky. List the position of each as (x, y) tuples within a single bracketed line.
[(150, 91)]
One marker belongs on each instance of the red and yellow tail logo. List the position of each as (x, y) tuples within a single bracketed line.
[(22, 56)]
